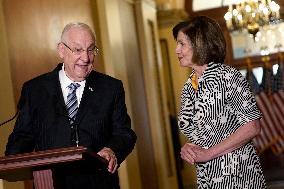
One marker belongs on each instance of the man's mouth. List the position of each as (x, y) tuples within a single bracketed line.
[(82, 65)]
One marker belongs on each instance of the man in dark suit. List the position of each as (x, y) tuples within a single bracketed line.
[(75, 105)]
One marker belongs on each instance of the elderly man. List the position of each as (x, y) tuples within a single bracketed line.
[(75, 105)]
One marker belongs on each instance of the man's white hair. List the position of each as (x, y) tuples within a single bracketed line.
[(76, 25)]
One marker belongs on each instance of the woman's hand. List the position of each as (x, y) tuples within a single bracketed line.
[(193, 153), (187, 153)]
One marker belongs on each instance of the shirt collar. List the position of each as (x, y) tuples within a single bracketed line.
[(67, 81)]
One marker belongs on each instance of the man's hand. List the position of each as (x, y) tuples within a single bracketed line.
[(109, 155)]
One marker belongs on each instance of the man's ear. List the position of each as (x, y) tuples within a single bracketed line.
[(60, 50)]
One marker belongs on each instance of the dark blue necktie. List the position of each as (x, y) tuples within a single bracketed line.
[(72, 102)]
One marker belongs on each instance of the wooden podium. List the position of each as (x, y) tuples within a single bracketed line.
[(45, 167)]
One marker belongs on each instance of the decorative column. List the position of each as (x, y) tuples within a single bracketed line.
[(175, 77)]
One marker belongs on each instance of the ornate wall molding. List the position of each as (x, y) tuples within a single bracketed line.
[(168, 18)]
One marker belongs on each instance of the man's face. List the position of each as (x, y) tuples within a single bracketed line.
[(76, 50)]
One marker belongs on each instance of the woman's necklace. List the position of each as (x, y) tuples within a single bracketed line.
[(194, 81)]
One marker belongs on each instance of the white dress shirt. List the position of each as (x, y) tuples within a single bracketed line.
[(65, 81)]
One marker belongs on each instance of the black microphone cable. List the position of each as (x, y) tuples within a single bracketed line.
[(10, 119), (19, 107)]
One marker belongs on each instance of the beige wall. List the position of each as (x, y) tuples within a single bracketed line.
[(117, 57), (170, 4), (179, 76), (7, 104), (155, 93)]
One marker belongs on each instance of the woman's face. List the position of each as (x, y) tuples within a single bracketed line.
[(184, 50)]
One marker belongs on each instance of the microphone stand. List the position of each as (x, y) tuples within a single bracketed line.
[(76, 130), (76, 135)]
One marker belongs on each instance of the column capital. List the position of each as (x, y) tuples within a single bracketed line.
[(149, 2), (171, 17)]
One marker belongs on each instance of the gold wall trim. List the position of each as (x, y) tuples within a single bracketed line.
[(170, 17)]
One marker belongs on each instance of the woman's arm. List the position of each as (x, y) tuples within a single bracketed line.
[(193, 153)]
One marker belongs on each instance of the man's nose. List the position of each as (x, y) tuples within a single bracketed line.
[(85, 56)]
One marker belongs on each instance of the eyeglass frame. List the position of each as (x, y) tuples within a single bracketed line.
[(94, 51)]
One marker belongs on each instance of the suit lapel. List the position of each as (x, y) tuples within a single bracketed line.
[(88, 94), (56, 92)]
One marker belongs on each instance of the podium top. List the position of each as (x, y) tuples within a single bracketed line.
[(21, 166)]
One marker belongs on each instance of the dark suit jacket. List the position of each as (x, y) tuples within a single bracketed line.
[(101, 121)]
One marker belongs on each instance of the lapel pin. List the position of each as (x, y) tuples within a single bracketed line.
[(91, 89)]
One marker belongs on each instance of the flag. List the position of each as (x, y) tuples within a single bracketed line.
[(268, 135), (278, 104)]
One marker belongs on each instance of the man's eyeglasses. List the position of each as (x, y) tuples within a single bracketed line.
[(91, 51)]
